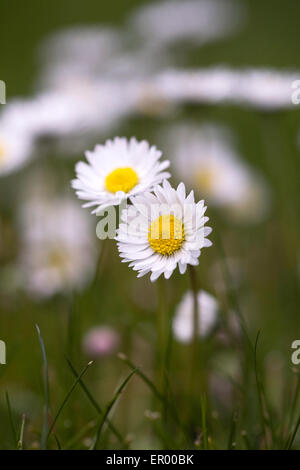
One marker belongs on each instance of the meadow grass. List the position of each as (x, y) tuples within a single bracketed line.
[(234, 389)]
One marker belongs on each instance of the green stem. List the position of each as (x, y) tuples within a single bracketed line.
[(196, 326), (196, 355), (162, 336)]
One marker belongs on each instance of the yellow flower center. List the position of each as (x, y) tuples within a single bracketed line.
[(166, 235), (205, 179), (121, 179), (57, 259)]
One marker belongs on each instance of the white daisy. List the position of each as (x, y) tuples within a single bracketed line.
[(265, 89), (183, 320), (163, 230), (15, 149), (78, 52), (199, 21), (207, 159), (118, 170), (84, 108), (57, 246)]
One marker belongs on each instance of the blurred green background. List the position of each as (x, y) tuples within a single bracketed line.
[(269, 252)]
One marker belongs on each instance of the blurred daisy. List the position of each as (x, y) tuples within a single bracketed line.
[(206, 158), (77, 112), (118, 170), (265, 89), (163, 230), (100, 341), (16, 148), (57, 246), (78, 52), (199, 21), (183, 320)]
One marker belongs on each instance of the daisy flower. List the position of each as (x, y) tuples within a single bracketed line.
[(199, 21), (266, 89), (78, 52), (57, 246), (163, 230), (207, 159), (118, 170), (15, 149), (183, 320)]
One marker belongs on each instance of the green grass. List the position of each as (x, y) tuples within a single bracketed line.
[(251, 400)]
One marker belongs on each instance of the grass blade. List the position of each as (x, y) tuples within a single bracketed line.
[(109, 407), (142, 376), (12, 424), (46, 385), (232, 295), (80, 435), (57, 442), (260, 393), (155, 391), (204, 424), (294, 403), (292, 437), (67, 397), (232, 434), (94, 402), (21, 437)]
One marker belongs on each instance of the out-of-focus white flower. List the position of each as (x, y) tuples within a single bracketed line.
[(118, 170), (183, 320), (213, 85), (200, 21), (78, 52), (100, 341), (84, 109), (15, 148), (206, 158), (57, 246), (50, 113), (163, 230), (265, 89)]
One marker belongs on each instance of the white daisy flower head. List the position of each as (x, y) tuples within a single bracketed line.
[(82, 109), (267, 89), (163, 230), (198, 21), (259, 88), (57, 246), (206, 157), (16, 148), (78, 52), (117, 170), (208, 308)]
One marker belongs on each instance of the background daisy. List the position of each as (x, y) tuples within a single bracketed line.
[(15, 149), (183, 320), (57, 246), (207, 158)]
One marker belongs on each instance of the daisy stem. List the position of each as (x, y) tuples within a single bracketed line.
[(196, 360), (163, 336)]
